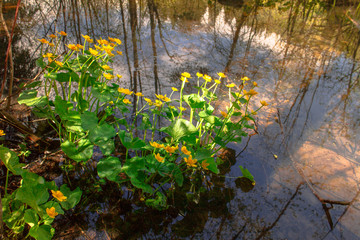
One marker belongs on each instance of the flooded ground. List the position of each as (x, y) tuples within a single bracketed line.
[(305, 157)]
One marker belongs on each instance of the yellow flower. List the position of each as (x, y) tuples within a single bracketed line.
[(112, 44), (184, 79), (224, 114), (59, 63), (58, 195), (106, 67), (110, 54), (186, 75), (255, 84), (251, 92), (116, 40), (245, 79), (217, 81), (199, 74), (170, 149), (125, 91), (73, 47), (98, 48), (264, 103), (174, 89), (111, 103), (88, 39), (52, 35), (182, 109), (79, 46), (148, 100), (205, 165), (163, 97), (51, 212), (190, 161), (222, 75), (185, 151), (43, 40), (139, 94), (62, 33), (231, 85), (119, 52), (51, 44), (158, 103), (102, 41), (171, 107), (118, 75), (207, 78), (126, 101), (93, 52), (2, 133), (48, 55), (108, 76), (108, 48), (159, 158), (254, 113), (156, 145)]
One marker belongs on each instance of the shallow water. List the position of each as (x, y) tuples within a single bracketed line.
[(305, 157)]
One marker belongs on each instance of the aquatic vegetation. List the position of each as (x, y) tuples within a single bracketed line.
[(90, 111), (31, 204)]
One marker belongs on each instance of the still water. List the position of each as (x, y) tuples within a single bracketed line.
[(305, 155)]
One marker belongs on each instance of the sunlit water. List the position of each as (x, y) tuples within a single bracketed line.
[(305, 157)]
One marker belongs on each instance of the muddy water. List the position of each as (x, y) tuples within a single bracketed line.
[(305, 157)]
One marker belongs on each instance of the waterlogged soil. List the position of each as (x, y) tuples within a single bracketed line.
[(304, 154)]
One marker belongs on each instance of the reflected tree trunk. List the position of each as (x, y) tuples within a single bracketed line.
[(126, 42), (133, 24), (151, 7)]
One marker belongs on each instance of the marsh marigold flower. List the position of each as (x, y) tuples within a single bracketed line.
[(118, 75), (93, 52), (87, 38), (245, 79), (159, 158), (204, 165), (199, 74), (43, 40), (125, 91), (119, 52), (264, 103), (108, 76), (255, 84), (156, 145), (62, 33), (126, 101), (51, 44), (224, 114), (185, 151), (2, 133), (217, 81), (184, 79), (59, 63), (222, 75), (52, 36), (186, 74), (251, 92), (207, 78), (174, 89), (73, 47), (170, 149), (231, 85), (106, 67), (139, 94), (51, 212), (58, 195), (182, 109), (190, 161)]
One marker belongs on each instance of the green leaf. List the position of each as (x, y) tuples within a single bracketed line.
[(158, 203), (219, 140), (203, 154), (194, 101), (40, 62), (236, 105), (31, 217), (11, 161), (109, 167), (73, 197), (214, 120), (129, 142), (42, 232), (33, 195), (139, 182), (83, 151), (243, 100), (133, 165), (203, 114), (246, 173), (174, 171), (180, 128), (101, 132), (29, 98), (63, 77), (89, 120), (107, 147), (212, 165)]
